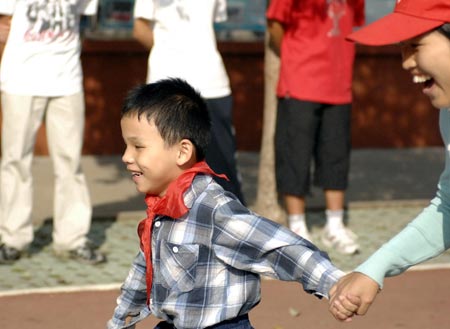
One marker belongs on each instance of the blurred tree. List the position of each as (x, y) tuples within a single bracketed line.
[(267, 203)]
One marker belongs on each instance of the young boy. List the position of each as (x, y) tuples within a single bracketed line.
[(202, 252)]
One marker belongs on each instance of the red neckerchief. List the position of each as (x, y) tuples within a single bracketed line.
[(171, 205)]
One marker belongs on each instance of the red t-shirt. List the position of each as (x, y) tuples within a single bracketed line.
[(316, 60)]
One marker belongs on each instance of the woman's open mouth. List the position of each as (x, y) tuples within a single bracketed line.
[(426, 81)]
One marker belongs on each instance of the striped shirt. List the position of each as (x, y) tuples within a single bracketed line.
[(207, 265)]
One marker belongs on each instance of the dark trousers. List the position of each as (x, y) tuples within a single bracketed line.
[(240, 322), (221, 153)]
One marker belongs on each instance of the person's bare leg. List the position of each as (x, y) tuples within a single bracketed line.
[(295, 207), (294, 204), (335, 199), (334, 209), (335, 233)]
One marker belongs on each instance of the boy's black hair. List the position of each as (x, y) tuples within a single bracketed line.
[(176, 108), (445, 29)]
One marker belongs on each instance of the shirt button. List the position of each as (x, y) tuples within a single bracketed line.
[(175, 249), (157, 224)]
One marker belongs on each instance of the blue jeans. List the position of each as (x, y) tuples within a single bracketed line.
[(240, 322)]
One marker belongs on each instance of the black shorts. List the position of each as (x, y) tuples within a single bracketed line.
[(312, 133)]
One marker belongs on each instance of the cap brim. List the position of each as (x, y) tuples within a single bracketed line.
[(393, 28)]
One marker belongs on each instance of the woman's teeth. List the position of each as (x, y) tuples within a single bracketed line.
[(420, 79)]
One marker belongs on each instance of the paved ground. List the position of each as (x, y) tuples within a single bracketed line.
[(387, 189), (416, 300)]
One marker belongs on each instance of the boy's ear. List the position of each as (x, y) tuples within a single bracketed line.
[(186, 152)]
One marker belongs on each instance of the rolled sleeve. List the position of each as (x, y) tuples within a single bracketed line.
[(131, 304)]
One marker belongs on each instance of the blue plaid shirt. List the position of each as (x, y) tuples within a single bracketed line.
[(207, 264)]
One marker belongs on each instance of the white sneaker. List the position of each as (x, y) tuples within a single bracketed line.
[(342, 240), (300, 228)]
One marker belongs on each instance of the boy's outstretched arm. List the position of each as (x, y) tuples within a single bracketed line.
[(352, 294), (256, 244)]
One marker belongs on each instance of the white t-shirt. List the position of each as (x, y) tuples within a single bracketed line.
[(42, 53), (185, 44)]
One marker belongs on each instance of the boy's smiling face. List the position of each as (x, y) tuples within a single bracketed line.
[(151, 162)]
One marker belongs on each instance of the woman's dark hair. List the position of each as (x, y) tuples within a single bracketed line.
[(445, 29)]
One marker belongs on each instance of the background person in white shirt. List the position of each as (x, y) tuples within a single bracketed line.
[(41, 76), (182, 43)]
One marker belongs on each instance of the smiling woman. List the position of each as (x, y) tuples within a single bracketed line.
[(422, 58), (421, 28)]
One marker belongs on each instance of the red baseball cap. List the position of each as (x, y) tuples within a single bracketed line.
[(409, 19)]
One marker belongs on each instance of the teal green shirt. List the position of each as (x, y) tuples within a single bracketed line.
[(427, 236)]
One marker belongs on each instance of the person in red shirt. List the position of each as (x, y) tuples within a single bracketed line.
[(314, 107)]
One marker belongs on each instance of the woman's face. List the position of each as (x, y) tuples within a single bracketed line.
[(427, 58)]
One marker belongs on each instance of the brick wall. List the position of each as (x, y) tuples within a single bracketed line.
[(389, 111)]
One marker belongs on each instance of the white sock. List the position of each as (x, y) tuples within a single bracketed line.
[(335, 219), (297, 220)]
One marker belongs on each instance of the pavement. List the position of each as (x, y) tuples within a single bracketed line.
[(283, 305), (388, 187)]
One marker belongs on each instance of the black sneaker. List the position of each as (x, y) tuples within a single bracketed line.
[(86, 253), (9, 255)]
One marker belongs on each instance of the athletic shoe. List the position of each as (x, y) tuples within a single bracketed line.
[(9, 255), (300, 228), (86, 253), (342, 240)]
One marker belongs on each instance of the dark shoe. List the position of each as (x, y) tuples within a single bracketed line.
[(9, 255), (86, 253)]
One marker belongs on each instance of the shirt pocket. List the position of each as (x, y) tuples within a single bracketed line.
[(179, 265)]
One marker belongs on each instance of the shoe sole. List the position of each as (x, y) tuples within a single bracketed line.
[(66, 255), (329, 244)]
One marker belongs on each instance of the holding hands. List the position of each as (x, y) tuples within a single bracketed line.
[(352, 294)]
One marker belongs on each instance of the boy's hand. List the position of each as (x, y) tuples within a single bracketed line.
[(344, 308), (352, 294)]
